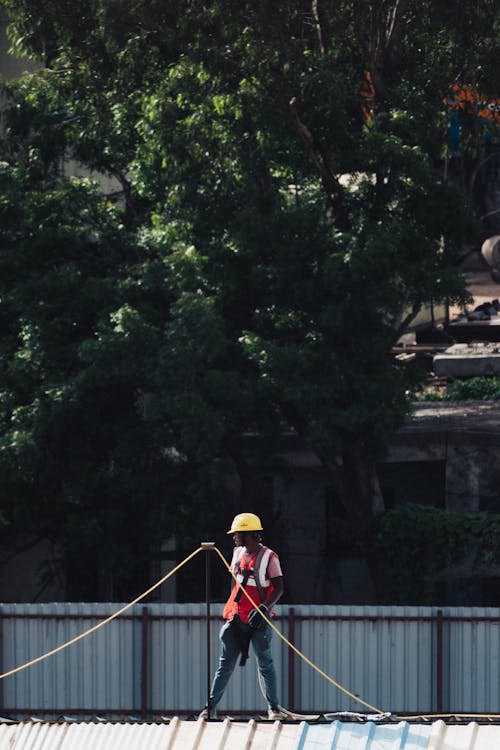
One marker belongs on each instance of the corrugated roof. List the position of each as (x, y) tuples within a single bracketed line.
[(252, 735)]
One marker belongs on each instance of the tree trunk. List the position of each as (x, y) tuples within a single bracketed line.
[(355, 485)]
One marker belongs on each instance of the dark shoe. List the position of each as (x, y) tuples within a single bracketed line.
[(204, 714), (276, 713)]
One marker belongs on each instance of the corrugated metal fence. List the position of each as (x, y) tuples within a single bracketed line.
[(152, 660)]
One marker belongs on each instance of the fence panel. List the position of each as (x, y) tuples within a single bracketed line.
[(471, 656), (93, 675), (153, 660), (377, 653)]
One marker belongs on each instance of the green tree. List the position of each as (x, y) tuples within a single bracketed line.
[(269, 243), (83, 464)]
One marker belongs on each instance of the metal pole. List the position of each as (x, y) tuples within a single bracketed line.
[(208, 546), (291, 659), (439, 660), (144, 662)]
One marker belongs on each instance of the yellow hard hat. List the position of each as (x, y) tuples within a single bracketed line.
[(245, 522)]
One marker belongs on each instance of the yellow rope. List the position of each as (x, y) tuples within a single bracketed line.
[(294, 648), (103, 622), (290, 645)]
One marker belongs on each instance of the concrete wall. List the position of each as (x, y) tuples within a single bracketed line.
[(29, 571), (465, 438)]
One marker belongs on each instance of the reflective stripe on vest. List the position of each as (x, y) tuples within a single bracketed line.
[(259, 572)]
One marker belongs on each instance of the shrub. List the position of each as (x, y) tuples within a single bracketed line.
[(472, 389)]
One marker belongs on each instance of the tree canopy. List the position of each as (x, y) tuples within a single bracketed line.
[(280, 213)]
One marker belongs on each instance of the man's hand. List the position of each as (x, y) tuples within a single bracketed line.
[(255, 620)]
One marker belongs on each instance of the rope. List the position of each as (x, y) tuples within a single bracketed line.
[(290, 645), (103, 622), (294, 648)]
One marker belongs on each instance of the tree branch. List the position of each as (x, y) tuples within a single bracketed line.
[(331, 185), (394, 22), (384, 29), (126, 188), (416, 307), (319, 19)]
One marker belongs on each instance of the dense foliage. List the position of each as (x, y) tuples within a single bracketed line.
[(471, 389), (263, 246), (428, 549)]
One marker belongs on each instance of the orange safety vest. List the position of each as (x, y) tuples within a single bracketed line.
[(250, 571)]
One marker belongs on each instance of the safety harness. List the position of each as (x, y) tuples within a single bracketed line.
[(243, 636)]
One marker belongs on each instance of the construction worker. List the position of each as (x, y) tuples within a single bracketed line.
[(258, 570)]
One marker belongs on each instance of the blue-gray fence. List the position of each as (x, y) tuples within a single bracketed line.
[(152, 660)]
